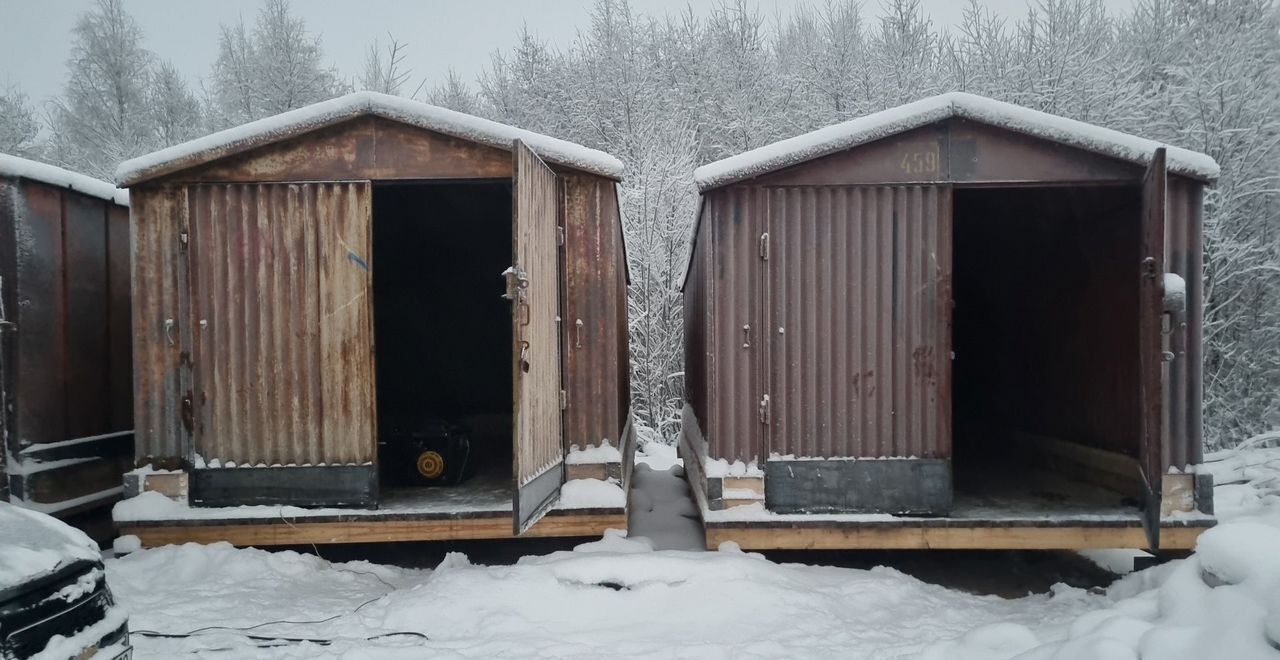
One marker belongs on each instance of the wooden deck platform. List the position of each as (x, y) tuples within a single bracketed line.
[(998, 511), (480, 509)]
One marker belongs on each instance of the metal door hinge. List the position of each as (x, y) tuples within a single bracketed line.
[(564, 400), (764, 246), (559, 235), (764, 409), (183, 240)]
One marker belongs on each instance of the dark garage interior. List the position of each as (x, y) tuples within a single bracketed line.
[(1045, 333), (443, 331)]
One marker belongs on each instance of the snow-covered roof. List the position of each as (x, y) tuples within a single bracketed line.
[(13, 166), (862, 130), (327, 113)]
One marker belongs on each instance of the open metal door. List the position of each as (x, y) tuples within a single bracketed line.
[(1150, 346), (533, 285)]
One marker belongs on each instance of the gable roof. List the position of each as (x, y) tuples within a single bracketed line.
[(21, 168), (875, 126), (327, 113)]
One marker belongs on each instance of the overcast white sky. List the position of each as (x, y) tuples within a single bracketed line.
[(34, 34)]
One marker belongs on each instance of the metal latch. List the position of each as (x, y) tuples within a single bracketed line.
[(764, 409), (764, 246), (564, 400), (559, 235)]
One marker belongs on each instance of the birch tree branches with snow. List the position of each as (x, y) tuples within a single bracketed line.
[(275, 67)]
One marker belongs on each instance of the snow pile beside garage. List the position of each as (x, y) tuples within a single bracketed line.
[(1222, 602)]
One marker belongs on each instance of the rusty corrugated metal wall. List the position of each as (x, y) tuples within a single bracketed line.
[(733, 223), (858, 334), (155, 214), (1184, 255), (593, 329), (280, 323), (65, 350)]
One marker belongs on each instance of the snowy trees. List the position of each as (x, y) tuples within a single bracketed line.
[(99, 120), (18, 125), (273, 68), (174, 112), (384, 69)]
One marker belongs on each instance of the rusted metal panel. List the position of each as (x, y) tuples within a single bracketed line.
[(594, 318), (1151, 404), (41, 340), (282, 330), (346, 325), (858, 326), (734, 334), (1184, 255), (955, 150), (8, 327), (155, 215), (87, 316), (362, 148), (119, 319), (56, 366), (538, 467)]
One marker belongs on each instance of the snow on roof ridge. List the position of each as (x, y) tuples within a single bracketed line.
[(325, 113), (878, 125), (23, 168)]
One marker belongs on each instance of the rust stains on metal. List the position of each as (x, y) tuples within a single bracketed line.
[(857, 339), (818, 297), (65, 367), (280, 285), (593, 329)]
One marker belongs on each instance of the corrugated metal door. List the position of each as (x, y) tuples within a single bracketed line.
[(858, 329), (538, 454), (1150, 341), (282, 341)]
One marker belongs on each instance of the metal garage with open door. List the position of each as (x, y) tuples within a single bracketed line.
[(954, 324), (358, 308)]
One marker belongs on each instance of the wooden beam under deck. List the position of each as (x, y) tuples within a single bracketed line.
[(274, 531), (947, 538)]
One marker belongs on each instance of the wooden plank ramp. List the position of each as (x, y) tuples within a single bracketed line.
[(279, 531)]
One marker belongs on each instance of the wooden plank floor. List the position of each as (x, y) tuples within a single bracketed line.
[(477, 509), (1002, 509), (278, 531)]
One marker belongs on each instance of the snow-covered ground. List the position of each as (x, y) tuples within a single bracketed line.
[(654, 595)]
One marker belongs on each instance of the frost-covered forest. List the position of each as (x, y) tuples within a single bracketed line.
[(667, 93)]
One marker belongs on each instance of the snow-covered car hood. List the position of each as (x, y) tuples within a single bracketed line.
[(33, 544)]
